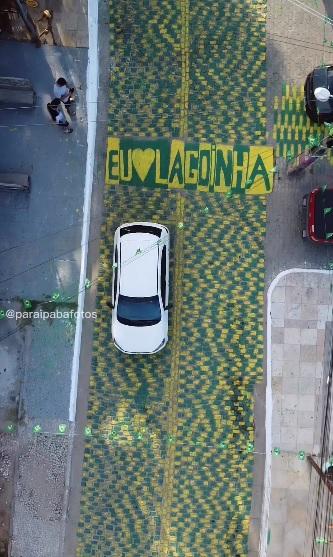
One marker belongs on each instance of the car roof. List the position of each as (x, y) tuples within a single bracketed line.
[(323, 77), (323, 223), (139, 254)]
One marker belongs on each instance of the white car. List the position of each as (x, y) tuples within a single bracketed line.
[(140, 291)]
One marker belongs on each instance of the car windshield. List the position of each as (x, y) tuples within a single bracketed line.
[(138, 312)]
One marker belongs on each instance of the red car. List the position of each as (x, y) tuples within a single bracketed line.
[(318, 207)]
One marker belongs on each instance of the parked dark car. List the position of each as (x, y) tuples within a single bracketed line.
[(318, 217), (319, 111)]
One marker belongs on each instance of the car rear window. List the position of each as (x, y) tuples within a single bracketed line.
[(143, 229), (138, 312), (323, 222)]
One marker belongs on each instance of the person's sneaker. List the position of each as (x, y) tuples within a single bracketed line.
[(68, 130)]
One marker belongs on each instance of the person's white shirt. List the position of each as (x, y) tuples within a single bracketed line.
[(61, 92), (60, 118)]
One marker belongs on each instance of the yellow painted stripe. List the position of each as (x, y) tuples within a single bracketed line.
[(185, 17), (173, 385)]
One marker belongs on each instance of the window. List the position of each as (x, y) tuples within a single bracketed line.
[(138, 312), (115, 276), (163, 276), (140, 228)]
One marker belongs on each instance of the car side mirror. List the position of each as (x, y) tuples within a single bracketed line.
[(169, 306)]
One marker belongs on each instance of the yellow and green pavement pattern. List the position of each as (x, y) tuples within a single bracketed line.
[(292, 127), (167, 468)]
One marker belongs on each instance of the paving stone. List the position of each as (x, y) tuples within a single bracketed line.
[(320, 337), (278, 323), (277, 335), (319, 370), (306, 385), (308, 369), (277, 402), (289, 418), (277, 368), (306, 403), (277, 384), (288, 442), (324, 280), (309, 295), (292, 311), (308, 354), (278, 352), (318, 389), (290, 385), (279, 505), (309, 336), (305, 419), (277, 310), (300, 323), (279, 294), (289, 402), (293, 295), (291, 352), (311, 280), (292, 335), (309, 311), (324, 295), (323, 312), (290, 368), (320, 353), (277, 535), (305, 438)]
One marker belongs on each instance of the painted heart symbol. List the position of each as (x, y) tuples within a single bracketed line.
[(142, 161)]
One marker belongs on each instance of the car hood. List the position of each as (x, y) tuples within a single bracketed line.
[(138, 340)]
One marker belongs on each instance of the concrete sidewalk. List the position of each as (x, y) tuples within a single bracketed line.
[(301, 316)]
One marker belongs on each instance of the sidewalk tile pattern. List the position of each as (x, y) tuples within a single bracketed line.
[(171, 431), (301, 354)]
